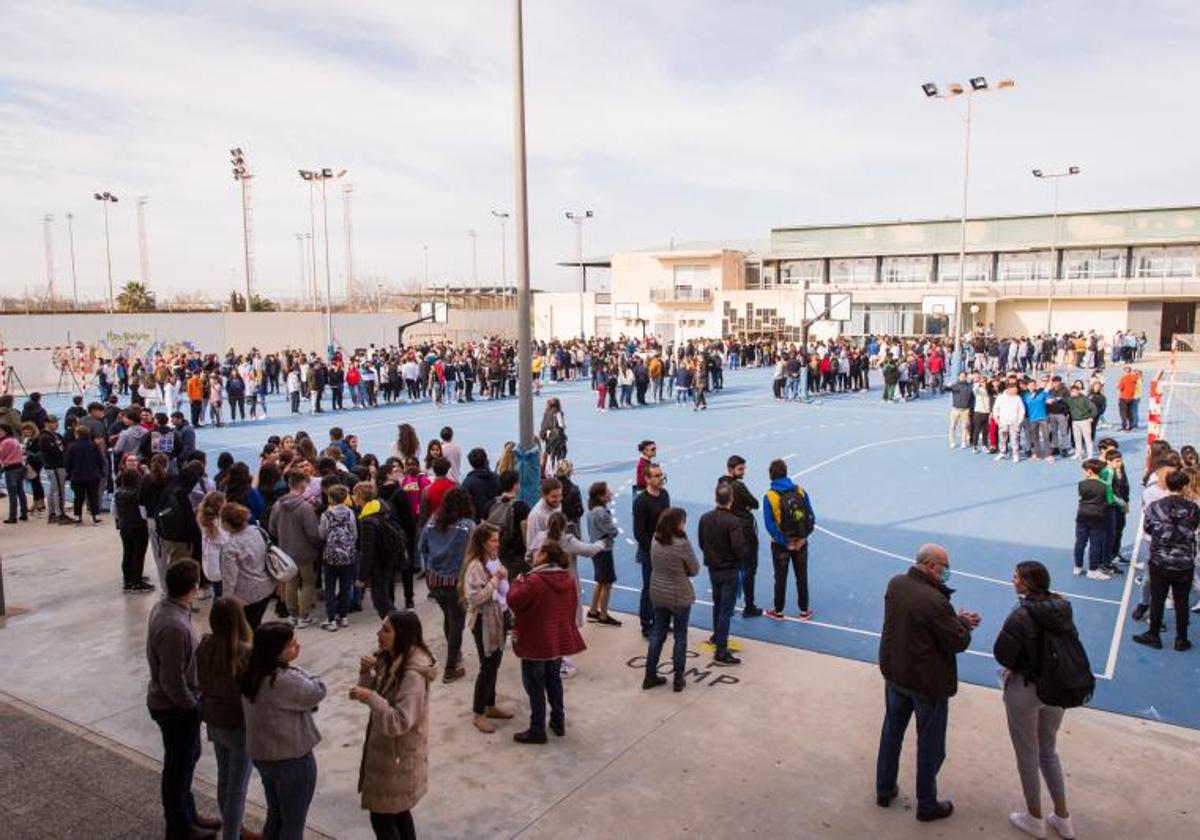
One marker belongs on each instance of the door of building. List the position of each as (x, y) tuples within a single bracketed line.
[(1177, 317)]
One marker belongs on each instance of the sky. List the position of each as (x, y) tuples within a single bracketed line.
[(671, 119)]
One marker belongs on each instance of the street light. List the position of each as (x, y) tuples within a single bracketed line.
[(578, 219), (527, 454), (978, 84), (108, 198), (1054, 178), (242, 174), (314, 176), (503, 217), (74, 279), (304, 284), (474, 234)]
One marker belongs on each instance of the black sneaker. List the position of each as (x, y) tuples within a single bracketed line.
[(939, 812), (1139, 612), (653, 682), (1149, 640), (751, 612), (1182, 644), (884, 800), (529, 737), (726, 659)]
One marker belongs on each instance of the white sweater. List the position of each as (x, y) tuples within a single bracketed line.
[(1008, 409)]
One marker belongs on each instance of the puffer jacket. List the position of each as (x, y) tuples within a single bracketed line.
[(1016, 646), (393, 775), (1171, 524), (671, 569)]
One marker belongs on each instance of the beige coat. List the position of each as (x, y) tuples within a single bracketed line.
[(394, 772)]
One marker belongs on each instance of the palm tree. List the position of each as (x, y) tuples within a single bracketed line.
[(136, 297)]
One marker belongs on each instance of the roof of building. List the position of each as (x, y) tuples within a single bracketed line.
[(992, 218), (758, 246)]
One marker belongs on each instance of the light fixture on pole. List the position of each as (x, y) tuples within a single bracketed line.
[(503, 217), (578, 219), (242, 174), (322, 176), (74, 278), (978, 84), (1054, 178), (107, 198)]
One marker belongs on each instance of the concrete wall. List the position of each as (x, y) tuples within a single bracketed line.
[(1028, 317), (556, 315), (1146, 316)]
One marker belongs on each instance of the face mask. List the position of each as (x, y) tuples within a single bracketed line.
[(945, 576)]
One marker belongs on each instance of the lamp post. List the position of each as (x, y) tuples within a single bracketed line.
[(108, 198), (74, 279), (977, 84), (322, 176), (47, 235), (503, 217), (425, 285), (578, 219), (474, 234), (528, 458), (242, 174), (1054, 178), (300, 237)]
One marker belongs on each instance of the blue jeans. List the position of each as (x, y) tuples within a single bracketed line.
[(542, 679), (724, 592), (289, 786), (233, 777), (1094, 538), (645, 609), (663, 618), (339, 583), (932, 714), (1133, 412), (14, 485)]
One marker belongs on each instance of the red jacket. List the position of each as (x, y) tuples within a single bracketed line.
[(544, 603)]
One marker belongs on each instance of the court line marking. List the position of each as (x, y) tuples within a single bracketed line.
[(860, 448), (1110, 666)]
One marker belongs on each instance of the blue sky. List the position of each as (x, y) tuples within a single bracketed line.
[(691, 120)]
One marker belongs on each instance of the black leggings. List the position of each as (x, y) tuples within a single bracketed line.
[(979, 428), (489, 669), (89, 490), (393, 826), (134, 541)]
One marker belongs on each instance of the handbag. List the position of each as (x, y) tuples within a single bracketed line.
[(280, 566)]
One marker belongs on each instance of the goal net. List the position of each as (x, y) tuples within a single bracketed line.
[(1179, 399)]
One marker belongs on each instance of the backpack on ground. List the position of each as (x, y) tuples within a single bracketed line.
[(1064, 673), (794, 521)]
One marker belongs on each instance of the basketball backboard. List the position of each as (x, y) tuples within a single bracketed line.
[(435, 310)]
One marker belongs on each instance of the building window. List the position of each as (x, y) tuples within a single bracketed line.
[(1025, 265), (692, 277), (907, 269), (852, 271), (1165, 262), (801, 272), (979, 268), (1094, 263), (887, 319)]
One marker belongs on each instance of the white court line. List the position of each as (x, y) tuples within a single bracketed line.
[(871, 445), (1110, 666), (956, 572)]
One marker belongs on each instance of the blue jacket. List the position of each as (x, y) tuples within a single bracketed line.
[(1035, 405), (771, 503), (442, 551), (349, 458)]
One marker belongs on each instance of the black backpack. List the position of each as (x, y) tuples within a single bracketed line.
[(172, 520), (794, 521), (391, 540), (1064, 674)]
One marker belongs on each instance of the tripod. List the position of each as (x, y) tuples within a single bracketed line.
[(10, 376), (64, 370)]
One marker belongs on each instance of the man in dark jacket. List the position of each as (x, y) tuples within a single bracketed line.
[(1171, 524), (922, 635), (723, 544), (743, 507), (481, 483), (647, 507)]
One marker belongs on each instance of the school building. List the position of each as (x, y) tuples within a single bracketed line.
[(1107, 270)]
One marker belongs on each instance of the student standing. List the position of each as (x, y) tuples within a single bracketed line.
[(789, 518), (601, 528), (243, 561), (442, 547), (921, 637), (673, 563), (295, 527), (647, 507), (722, 543), (1091, 522), (743, 506), (394, 684), (484, 590), (1033, 725), (135, 537), (278, 701), (173, 698), (1171, 524)]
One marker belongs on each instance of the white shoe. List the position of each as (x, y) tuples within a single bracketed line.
[(1062, 825), (1078, 571), (952, 446), (1096, 574), (1023, 822), (999, 456)]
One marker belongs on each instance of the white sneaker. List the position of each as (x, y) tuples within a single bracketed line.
[(1062, 825), (952, 446), (331, 625), (1023, 822), (999, 456), (304, 621), (1079, 570), (1096, 574)]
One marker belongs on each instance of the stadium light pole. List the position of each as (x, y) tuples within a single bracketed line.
[(108, 198), (1054, 178), (578, 219), (528, 455), (242, 174), (74, 278), (322, 176), (503, 218), (976, 85)]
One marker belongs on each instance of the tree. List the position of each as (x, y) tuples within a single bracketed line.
[(136, 297), (258, 303)]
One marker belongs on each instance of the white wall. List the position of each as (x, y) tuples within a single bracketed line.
[(1028, 317)]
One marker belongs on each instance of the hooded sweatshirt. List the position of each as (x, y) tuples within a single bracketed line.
[(1008, 409), (1171, 524), (771, 507)]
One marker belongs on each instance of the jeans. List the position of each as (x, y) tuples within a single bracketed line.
[(339, 581), (725, 584), (233, 777), (393, 826), (58, 490), (1178, 584), (181, 750), (665, 617), (1094, 538), (780, 556), (289, 786), (749, 568), (14, 485), (932, 714), (1133, 413), (1039, 436), (489, 669), (453, 619), (542, 679), (1123, 408), (645, 608)]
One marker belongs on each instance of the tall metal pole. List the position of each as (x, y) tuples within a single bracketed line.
[(303, 260), (328, 282), (1053, 265), (245, 182), (47, 235), (582, 276), (524, 333), (962, 249), (108, 260), (474, 234), (74, 278), (143, 246), (351, 288), (312, 240)]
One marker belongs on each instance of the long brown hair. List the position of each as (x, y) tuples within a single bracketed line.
[(209, 512), (231, 635), (670, 526), (476, 552)]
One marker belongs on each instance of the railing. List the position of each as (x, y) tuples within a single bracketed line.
[(681, 295), (1089, 287)]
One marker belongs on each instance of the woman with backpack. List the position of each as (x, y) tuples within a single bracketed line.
[(1042, 622), (442, 547)]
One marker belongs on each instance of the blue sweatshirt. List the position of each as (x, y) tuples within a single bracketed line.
[(770, 507), (1035, 405)]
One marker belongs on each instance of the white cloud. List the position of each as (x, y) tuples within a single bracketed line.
[(669, 118)]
